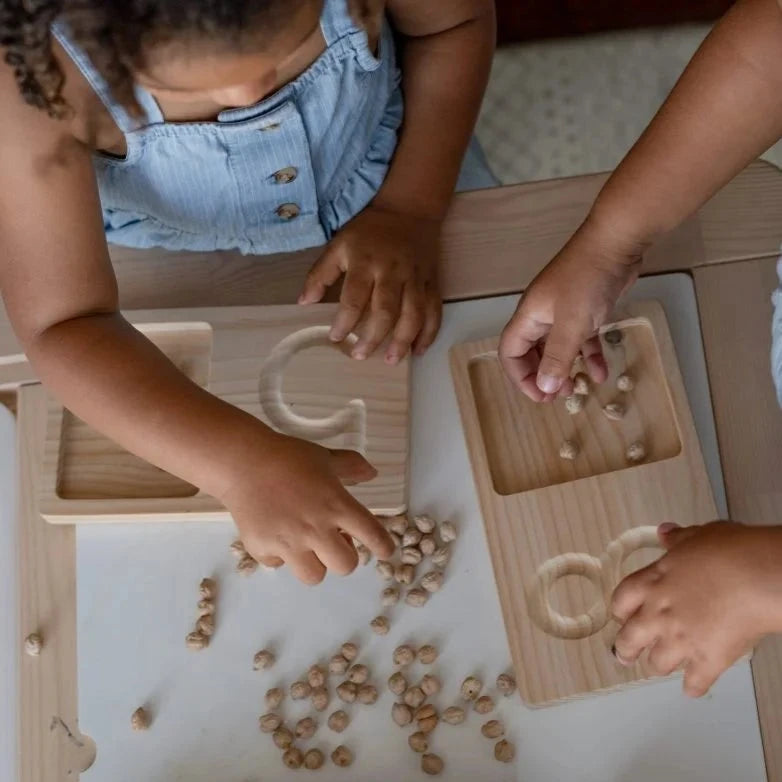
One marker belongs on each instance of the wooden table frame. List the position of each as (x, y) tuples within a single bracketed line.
[(729, 247)]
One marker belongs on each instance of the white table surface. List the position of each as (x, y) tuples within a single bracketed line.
[(137, 589)]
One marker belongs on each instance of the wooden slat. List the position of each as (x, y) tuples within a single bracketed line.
[(735, 310)]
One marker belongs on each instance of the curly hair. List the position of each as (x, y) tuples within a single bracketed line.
[(115, 33)]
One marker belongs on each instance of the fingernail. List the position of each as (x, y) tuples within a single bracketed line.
[(336, 336), (359, 355), (667, 527), (392, 358), (302, 299), (548, 384)]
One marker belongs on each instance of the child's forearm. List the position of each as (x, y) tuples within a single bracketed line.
[(113, 378), (723, 113), (446, 57)]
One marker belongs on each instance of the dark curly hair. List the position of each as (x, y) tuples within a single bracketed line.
[(114, 34)]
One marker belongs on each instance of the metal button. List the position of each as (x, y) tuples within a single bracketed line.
[(286, 175), (288, 211)]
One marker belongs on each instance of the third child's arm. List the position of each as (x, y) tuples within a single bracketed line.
[(724, 112)]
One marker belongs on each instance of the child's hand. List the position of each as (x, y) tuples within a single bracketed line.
[(390, 264), (705, 603), (560, 312), (290, 505)]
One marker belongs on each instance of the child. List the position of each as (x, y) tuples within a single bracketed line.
[(262, 125), (723, 113)]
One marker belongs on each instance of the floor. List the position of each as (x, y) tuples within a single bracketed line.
[(563, 108)]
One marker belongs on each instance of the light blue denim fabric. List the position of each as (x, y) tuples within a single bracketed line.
[(281, 175)]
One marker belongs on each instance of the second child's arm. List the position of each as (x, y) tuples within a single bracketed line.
[(724, 112), (61, 295)]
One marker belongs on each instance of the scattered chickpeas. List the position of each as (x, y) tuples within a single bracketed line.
[(454, 715), (349, 651), (447, 532), (404, 574), (427, 654), (581, 384), (338, 664), (319, 698), (433, 581), (139, 720), (206, 607), (316, 676), (367, 694), (504, 751), (313, 759), (484, 704), (338, 721), (636, 452), (300, 690), (274, 697), (292, 757), (416, 597), (506, 684), (403, 655), (425, 524), (282, 738), (33, 644), (384, 569), (389, 596), (196, 640), (347, 692), (569, 450), (206, 625), (398, 525), (430, 684), (364, 554), (471, 688), (614, 411), (342, 756), (613, 337), (625, 383), (493, 729), (442, 556), (358, 674), (238, 549), (427, 718), (402, 714), (380, 625), (411, 556), (305, 728), (432, 765), (418, 742), (247, 565), (412, 536), (268, 723), (574, 404), (414, 697), (207, 589), (428, 545), (397, 539), (263, 660), (397, 683)]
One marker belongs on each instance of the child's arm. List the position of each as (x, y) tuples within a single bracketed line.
[(723, 113), (389, 252), (61, 294), (704, 604)]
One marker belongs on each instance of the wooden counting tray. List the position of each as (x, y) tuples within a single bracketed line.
[(276, 363), (563, 534)]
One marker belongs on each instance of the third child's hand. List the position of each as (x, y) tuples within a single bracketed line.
[(559, 314), (389, 260), (290, 505), (705, 603)]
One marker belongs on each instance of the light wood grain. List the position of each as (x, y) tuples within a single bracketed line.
[(313, 390), (51, 748), (596, 525), (735, 309)]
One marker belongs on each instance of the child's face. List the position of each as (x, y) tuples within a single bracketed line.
[(197, 70)]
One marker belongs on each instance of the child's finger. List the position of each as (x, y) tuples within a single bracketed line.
[(351, 467), (324, 273), (271, 562), (411, 320), (665, 657), (519, 356), (362, 525), (629, 596), (433, 317), (562, 346), (699, 677), (637, 634), (336, 553), (594, 361), (383, 314), (671, 535), (306, 567), (356, 293)]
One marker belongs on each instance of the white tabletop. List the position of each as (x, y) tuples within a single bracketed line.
[(137, 589)]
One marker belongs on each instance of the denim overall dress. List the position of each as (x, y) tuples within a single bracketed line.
[(281, 175)]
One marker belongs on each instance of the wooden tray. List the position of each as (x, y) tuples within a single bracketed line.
[(276, 363), (562, 533)]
